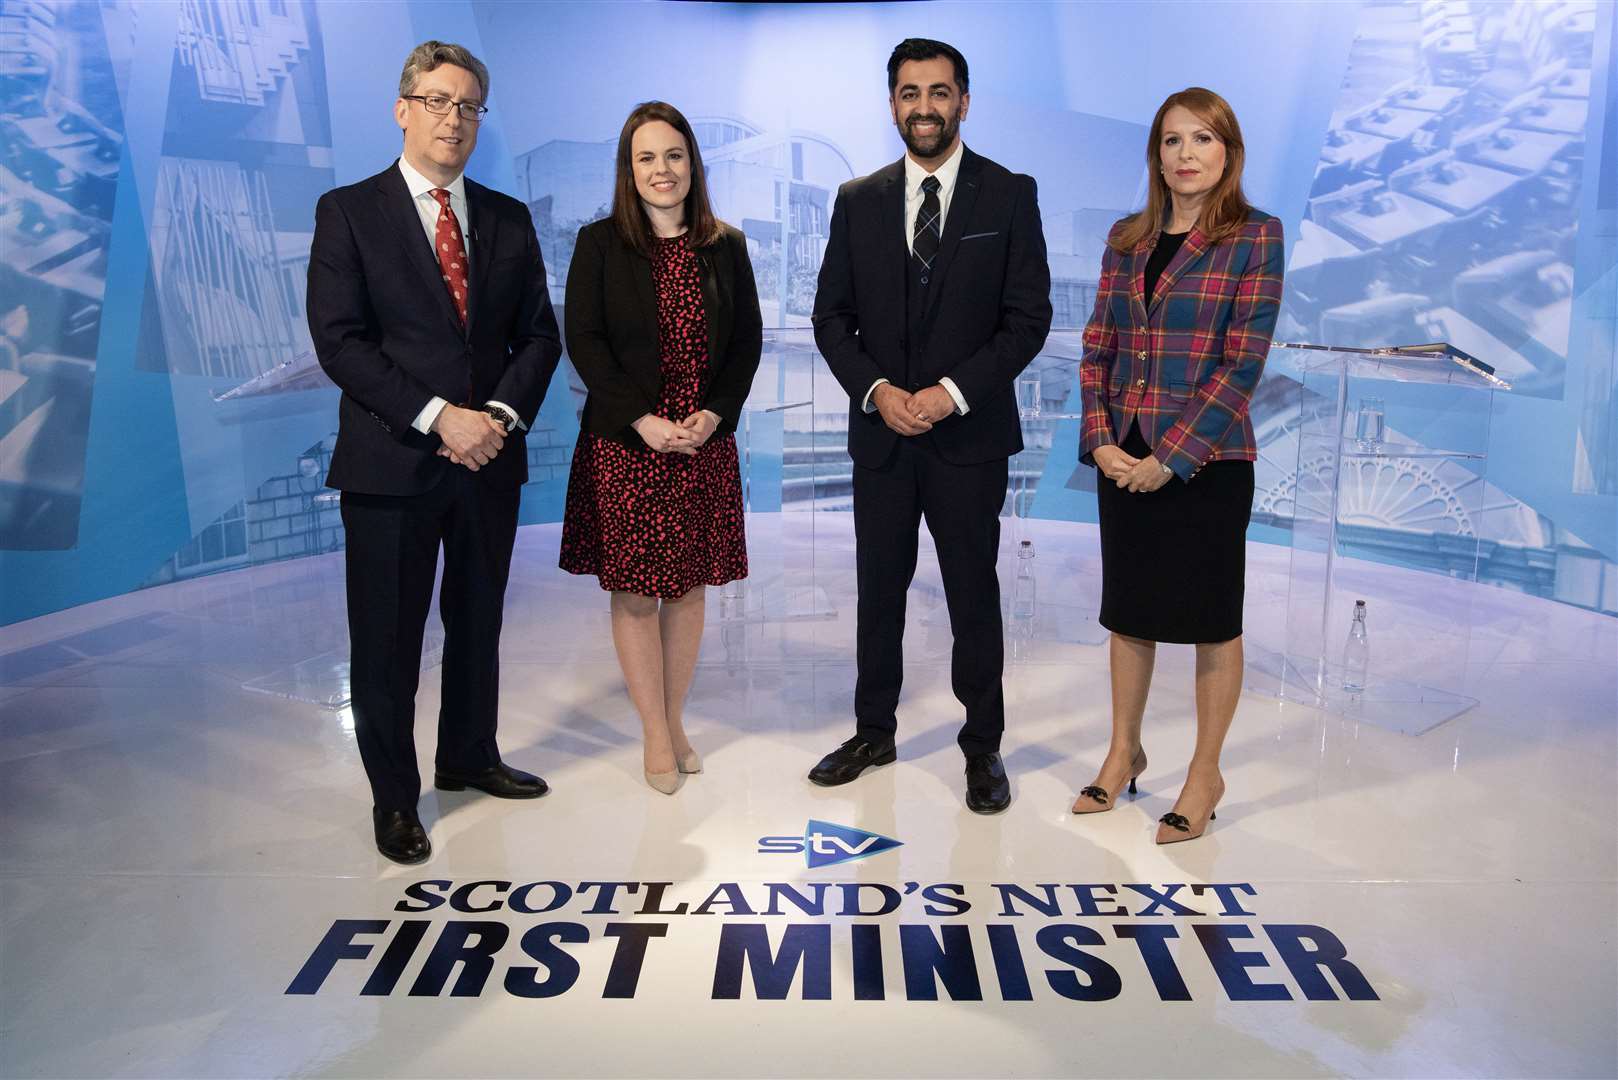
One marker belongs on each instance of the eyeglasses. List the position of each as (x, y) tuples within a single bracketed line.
[(439, 105)]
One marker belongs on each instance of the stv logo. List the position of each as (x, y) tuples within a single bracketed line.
[(825, 844)]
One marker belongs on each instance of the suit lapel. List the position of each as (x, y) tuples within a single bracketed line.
[(640, 268), (1136, 268), (713, 272), (483, 229), (894, 226), (400, 212), (1190, 251), (961, 202)]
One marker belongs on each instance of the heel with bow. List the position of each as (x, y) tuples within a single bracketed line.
[(1099, 795)]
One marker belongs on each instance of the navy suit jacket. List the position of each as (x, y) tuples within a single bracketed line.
[(385, 331), (988, 307)]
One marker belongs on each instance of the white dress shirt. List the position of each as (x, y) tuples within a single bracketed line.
[(914, 175), (421, 193)]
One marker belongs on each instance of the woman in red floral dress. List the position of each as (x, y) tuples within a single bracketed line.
[(663, 326)]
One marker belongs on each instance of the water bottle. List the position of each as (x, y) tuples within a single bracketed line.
[(1022, 583), (1356, 652)]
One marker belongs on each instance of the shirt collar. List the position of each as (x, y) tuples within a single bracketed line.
[(915, 174), (419, 185)]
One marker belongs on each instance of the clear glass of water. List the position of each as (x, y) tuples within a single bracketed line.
[(1370, 423), (1028, 393)]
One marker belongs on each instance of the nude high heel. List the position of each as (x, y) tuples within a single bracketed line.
[(689, 763), (1095, 799), (1182, 826), (666, 782)]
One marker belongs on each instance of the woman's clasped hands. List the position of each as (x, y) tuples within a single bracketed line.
[(1128, 471), (685, 437)]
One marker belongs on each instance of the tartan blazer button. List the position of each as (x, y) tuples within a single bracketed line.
[(1140, 382), (1141, 355)]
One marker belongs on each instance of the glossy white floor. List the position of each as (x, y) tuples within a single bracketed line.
[(177, 849)]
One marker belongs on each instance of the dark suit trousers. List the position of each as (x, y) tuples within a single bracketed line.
[(961, 504), (392, 559)]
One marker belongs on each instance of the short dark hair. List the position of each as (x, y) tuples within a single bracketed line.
[(920, 48)]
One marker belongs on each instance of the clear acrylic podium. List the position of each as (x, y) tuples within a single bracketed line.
[(776, 441), (1389, 503)]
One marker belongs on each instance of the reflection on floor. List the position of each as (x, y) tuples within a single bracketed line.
[(187, 884)]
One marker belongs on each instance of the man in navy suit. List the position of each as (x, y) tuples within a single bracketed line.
[(934, 295), (429, 309)]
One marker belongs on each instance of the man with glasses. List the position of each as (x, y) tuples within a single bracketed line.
[(429, 309)]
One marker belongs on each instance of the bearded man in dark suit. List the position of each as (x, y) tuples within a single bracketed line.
[(934, 295)]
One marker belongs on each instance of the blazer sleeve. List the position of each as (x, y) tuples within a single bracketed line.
[(1095, 364), (534, 342), (1025, 306), (835, 318), (731, 385), (346, 338), (1221, 401), (615, 398)]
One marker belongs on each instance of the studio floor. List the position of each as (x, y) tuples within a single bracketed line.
[(188, 885)]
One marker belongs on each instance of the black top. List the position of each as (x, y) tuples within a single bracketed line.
[(1167, 244)]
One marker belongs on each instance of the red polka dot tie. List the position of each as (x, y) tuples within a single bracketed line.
[(451, 253)]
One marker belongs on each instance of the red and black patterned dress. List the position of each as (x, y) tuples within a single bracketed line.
[(660, 524)]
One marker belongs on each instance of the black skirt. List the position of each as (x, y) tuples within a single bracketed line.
[(1174, 560)]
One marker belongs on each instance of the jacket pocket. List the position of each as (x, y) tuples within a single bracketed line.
[(979, 235)]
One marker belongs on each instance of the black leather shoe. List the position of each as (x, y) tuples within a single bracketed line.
[(502, 781), (851, 759), (987, 789), (400, 837)]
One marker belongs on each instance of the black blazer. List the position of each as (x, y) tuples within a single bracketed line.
[(611, 323), (988, 308), (384, 330)]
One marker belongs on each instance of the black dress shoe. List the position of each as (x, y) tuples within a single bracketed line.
[(400, 837), (987, 789), (851, 759), (502, 781)]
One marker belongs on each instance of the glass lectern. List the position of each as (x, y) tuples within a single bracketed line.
[(1388, 504)]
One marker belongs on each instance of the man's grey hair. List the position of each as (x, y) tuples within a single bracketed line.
[(432, 54)]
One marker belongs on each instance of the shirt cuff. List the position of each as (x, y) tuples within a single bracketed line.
[(949, 384), (867, 406), (429, 415), (520, 425)]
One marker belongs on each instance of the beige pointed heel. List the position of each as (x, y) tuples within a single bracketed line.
[(1096, 799), (666, 782), (1182, 826), (690, 763)]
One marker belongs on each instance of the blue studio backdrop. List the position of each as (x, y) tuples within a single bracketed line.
[(1444, 171)]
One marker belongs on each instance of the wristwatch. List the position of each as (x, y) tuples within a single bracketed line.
[(1166, 470), (505, 418)]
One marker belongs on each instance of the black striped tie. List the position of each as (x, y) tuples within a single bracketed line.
[(927, 234)]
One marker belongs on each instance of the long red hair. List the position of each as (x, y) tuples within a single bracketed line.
[(1227, 207)]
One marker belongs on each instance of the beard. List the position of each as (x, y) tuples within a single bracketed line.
[(930, 146)]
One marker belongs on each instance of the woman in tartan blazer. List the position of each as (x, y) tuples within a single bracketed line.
[(1189, 293)]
